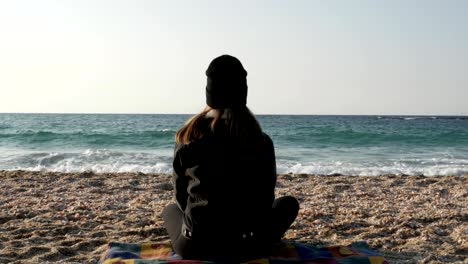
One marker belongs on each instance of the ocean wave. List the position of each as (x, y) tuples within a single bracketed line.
[(97, 160), (144, 139), (424, 117), (362, 169), (105, 160), (353, 138)]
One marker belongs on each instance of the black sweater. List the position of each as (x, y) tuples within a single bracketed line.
[(225, 189)]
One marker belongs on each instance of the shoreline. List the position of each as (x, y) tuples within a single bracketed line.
[(48, 216)]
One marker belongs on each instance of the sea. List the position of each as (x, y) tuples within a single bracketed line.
[(304, 144)]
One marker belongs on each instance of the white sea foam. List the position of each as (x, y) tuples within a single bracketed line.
[(101, 160), (376, 169), (105, 160)]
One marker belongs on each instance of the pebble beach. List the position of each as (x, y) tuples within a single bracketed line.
[(70, 217)]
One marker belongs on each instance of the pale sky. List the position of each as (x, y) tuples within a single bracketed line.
[(302, 57)]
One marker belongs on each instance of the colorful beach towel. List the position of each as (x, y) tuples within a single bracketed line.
[(295, 253)]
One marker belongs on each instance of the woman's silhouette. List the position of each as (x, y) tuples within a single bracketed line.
[(225, 176)]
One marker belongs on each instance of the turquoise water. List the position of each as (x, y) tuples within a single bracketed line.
[(356, 145)]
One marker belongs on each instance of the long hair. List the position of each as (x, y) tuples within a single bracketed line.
[(238, 124)]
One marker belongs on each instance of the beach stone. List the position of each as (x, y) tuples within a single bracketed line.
[(165, 186)]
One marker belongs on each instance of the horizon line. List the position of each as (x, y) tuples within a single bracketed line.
[(258, 114)]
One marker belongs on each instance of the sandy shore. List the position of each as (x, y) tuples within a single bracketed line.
[(70, 217)]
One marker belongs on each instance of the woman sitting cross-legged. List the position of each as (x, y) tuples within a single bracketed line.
[(225, 176)]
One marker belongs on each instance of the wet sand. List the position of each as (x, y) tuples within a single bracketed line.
[(59, 217)]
